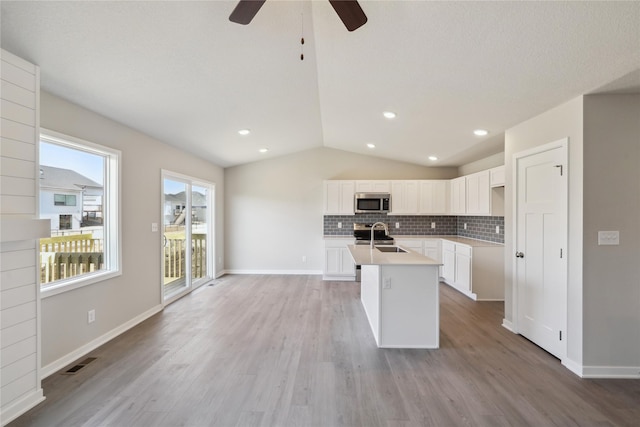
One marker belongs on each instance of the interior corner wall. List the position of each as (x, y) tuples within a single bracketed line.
[(560, 122), (482, 164), (612, 202), (273, 208), (120, 300)]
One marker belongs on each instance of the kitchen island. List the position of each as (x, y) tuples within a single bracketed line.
[(399, 292)]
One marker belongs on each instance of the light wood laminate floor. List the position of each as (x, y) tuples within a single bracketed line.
[(297, 351)]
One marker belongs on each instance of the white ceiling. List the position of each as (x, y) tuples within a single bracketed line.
[(182, 73)]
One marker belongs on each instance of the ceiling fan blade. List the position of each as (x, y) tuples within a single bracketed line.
[(245, 11), (350, 13)]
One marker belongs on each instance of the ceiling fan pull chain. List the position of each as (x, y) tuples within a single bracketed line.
[(301, 31)]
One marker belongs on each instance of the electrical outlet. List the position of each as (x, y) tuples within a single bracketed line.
[(465, 225), (91, 316), (608, 237), (397, 225), (433, 225), (497, 229), (339, 225)]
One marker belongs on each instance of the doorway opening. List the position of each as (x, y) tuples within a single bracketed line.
[(187, 235)]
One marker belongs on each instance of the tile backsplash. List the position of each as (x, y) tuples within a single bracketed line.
[(478, 227)]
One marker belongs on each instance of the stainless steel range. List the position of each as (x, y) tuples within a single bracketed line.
[(362, 233)]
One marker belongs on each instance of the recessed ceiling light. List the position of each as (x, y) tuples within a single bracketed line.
[(480, 132), (389, 114), (263, 150), (244, 132), (371, 145), (433, 158)]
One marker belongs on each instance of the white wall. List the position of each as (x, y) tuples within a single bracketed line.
[(612, 202), (119, 300), (273, 208), (563, 121), (482, 164)]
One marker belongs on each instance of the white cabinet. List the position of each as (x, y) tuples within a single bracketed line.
[(478, 194), (404, 197), (477, 272), (431, 248), (376, 186), (338, 264), (433, 197), (459, 196), (497, 176), (339, 197)]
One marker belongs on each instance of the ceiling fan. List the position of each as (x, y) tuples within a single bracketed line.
[(349, 12)]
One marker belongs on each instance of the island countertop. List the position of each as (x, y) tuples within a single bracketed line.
[(364, 255)]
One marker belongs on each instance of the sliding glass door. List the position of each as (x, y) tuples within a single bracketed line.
[(186, 235)]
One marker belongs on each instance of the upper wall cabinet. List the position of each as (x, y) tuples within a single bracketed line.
[(433, 197), (339, 197), (497, 176), (373, 186), (459, 196), (404, 197), (478, 194)]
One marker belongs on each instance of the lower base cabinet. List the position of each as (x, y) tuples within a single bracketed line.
[(477, 272), (338, 264)]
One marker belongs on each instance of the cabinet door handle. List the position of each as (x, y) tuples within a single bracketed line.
[(519, 255)]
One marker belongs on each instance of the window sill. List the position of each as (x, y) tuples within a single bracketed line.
[(77, 282)]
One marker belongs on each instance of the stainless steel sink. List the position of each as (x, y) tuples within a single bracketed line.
[(396, 249)]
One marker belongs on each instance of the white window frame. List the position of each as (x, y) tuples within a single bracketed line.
[(112, 209)]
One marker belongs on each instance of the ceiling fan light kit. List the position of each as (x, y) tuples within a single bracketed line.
[(349, 11)]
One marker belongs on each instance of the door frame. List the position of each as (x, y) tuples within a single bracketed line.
[(563, 145), (210, 258)]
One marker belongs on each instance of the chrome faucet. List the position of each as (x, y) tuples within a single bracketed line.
[(386, 231)]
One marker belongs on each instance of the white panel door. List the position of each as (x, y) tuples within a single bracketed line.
[(541, 230)]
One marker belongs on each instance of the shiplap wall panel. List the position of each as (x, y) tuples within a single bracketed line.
[(17, 150), (19, 369), (17, 333), (17, 168), (21, 75), (18, 388), (15, 205), (13, 186), (17, 351), (21, 313), (17, 113), (18, 131), (17, 94), (16, 296), (13, 259), (19, 277), (19, 268)]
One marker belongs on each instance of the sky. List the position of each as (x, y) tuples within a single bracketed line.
[(89, 165)]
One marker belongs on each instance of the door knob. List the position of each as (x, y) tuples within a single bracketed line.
[(519, 255)]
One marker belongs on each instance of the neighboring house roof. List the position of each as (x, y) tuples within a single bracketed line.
[(52, 177), (197, 199)]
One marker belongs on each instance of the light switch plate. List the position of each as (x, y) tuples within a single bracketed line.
[(608, 238), (154, 227), (433, 225)]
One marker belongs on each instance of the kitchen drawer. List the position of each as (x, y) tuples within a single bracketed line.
[(463, 250), (448, 246), (431, 243)]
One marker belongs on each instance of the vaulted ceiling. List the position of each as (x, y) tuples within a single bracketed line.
[(182, 73)]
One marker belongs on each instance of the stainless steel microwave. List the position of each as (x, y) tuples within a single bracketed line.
[(372, 202)]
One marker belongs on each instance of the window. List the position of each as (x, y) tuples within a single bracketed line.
[(65, 222), (79, 193), (64, 200)]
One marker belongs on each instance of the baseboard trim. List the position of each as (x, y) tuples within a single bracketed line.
[(574, 367), (278, 272), (69, 358), (20, 406), (611, 372), (508, 325)]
